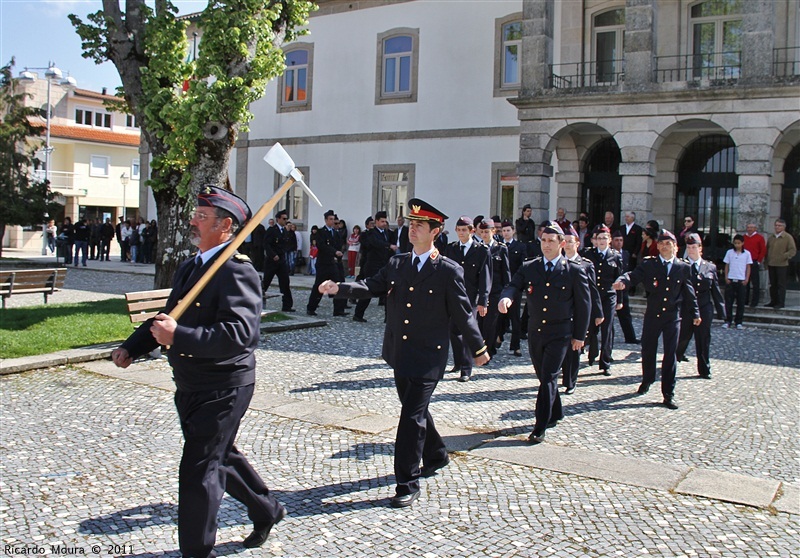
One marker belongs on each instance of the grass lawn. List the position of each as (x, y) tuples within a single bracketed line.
[(36, 330)]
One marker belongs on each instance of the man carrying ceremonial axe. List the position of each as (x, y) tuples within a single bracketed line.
[(424, 292), (213, 364)]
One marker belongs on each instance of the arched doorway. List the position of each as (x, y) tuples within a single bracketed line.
[(602, 184), (790, 209), (708, 190)]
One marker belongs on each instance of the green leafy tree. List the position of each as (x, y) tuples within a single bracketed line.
[(190, 134), (24, 200)]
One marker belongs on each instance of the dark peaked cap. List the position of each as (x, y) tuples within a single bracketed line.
[(213, 196)]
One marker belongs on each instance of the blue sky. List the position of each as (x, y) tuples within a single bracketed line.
[(36, 32)]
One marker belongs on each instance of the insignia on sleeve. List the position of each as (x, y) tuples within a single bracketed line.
[(241, 258)]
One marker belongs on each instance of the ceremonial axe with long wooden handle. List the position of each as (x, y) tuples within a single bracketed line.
[(279, 160)]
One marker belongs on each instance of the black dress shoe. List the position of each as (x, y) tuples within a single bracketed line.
[(405, 500), (430, 469), (634, 342), (536, 438), (463, 378), (644, 388), (682, 359), (523, 336), (669, 403), (339, 314), (706, 376), (261, 531), (569, 391), (359, 319), (453, 370), (553, 423), (591, 361), (605, 371), (310, 313), (288, 310), (517, 352)]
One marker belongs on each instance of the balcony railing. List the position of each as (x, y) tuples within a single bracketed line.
[(62, 182), (786, 62), (696, 67), (587, 75)]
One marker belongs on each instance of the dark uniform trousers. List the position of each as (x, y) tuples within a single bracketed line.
[(420, 305), (706, 286), (569, 368), (625, 319), (211, 465), (665, 303), (560, 306), (329, 266), (279, 268), (501, 275), (605, 347)]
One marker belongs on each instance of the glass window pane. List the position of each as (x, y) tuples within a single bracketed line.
[(397, 45), (613, 17), (510, 65), (301, 84), (297, 57), (389, 77), (405, 73), (288, 86), (78, 116), (717, 8), (98, 119), (87, 118), (107, 120), (512, 31)]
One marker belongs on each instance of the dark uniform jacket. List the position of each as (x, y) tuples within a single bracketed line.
[(594, 293), (501, 270), (665, 294), (607, 269), (706, 287), (477, 270), (276, 243), (403, 244), (376, 250), (328, 244), (526, 230), (558, 305), (419, 308), (517, 254), (216, 336), (632, 241)]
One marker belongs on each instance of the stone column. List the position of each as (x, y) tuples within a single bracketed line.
[(535, 172), (638, 178), (640, 42), (758, 39), (755, 184), (537, 44)]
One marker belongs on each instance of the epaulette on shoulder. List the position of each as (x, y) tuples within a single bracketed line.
[(242, 258), (648, 258)]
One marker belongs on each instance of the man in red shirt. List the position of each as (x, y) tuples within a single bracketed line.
[(755, 244)]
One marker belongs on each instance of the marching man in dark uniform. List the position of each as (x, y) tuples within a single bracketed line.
[(559, 306), (706, 285), (377, 245), (213, 367), (501, 275), (276, 242), (569, 368), (329, 265), (474, 258), (425, 292), (667, 281), (517, 254), (608, 266)]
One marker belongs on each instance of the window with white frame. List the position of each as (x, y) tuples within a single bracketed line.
[(93, 117), (608, 42), (716, 39), (130, 121), (135, 169), (505, 183), (98, 166), (393, 187), (398, 66), (295, 83), (295, 201), (507, 55)]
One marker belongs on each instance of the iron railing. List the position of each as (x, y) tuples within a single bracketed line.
[(696, 67), (584, 75), (59, 180), (786, 61)]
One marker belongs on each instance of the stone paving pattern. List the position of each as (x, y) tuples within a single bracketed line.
[(88, 459)]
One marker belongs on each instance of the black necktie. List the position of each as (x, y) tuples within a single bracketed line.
[(415, 266), (549, 267), (696, 267), (666, 267), (463, 249)]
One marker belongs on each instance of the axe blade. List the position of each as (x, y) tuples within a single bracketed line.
[(298, 176)]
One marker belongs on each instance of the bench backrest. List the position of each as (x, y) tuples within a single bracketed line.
[(143, 305), (32, 280)]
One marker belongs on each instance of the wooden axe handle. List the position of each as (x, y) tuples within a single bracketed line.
[(227, 253)]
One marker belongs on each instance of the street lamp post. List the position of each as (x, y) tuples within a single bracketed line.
[(123, 179)]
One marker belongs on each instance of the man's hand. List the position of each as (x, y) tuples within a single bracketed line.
[(727, 281), (618, 306), (504, 305), (276, 258), (328, 287), (697, 321), (163, 329), (339, 254), (598, 321), (481, 310), (577, 345), (393, 247), (121, 358), (483, 359), (618, 285)]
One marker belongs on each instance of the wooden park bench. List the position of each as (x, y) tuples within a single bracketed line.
[(31, 281), (143, 305)]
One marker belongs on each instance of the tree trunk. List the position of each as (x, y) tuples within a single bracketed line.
[(2, 236), (173, 236)]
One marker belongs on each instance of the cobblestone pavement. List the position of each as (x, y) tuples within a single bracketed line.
[(89, 460)]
